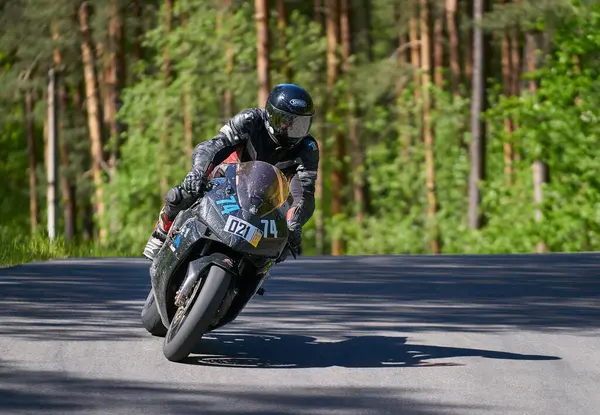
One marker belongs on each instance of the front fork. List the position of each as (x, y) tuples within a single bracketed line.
[(182, 295), (189, 282)]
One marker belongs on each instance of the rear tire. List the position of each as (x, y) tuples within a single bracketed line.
[(181, 338), (151, 318)]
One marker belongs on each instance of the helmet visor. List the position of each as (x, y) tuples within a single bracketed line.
[(289, 125)]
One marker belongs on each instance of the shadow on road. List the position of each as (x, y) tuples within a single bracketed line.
[(78, 300), (101, 299), (288, 351), (25, 391), (363, 295)]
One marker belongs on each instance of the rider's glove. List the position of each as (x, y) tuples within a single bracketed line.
[(294, 246), (295, 237), (194, 183)]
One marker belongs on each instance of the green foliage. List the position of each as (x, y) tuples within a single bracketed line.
[(397, 181), (153, 110), (558, 124), (14, 203)]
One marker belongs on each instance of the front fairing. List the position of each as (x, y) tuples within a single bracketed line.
[(222, 201)]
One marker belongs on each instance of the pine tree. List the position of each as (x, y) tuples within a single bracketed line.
[(262, 47), (478, 143), (94, 116)]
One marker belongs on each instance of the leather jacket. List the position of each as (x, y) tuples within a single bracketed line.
[(245, 138)]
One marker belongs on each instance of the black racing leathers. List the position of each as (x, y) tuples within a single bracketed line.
[(245, 138)]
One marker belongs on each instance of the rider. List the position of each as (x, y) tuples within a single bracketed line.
[(277, 134)]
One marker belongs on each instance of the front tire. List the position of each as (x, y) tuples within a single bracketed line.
[(184, 332), (151, 318)]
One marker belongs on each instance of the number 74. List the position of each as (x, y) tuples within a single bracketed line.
[(269, 225)]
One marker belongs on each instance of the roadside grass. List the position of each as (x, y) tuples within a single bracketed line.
[(21, 249)]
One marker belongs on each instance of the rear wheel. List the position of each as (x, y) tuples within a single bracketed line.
[(192, 320), (151, 318)]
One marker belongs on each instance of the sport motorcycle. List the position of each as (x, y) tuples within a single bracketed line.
[(217, 255)]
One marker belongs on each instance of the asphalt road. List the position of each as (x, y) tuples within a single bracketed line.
[(371, 335)]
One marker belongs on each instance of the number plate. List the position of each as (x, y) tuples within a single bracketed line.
[(240, 227)]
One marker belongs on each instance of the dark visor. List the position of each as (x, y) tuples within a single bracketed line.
[(293, 126)]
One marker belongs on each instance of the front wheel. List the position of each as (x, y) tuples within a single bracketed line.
[(192, 321)]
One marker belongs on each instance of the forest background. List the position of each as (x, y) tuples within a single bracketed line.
[(449, 126)]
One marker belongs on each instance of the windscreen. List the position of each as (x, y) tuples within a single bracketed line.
[(261, 187)]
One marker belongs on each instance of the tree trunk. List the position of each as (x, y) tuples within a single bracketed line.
[(94, 116), (164, 185), (506, 86), (454, 48), (469, 45), (345, 34), (262, 46), (52, 166), (319, 123), (413, 36), (337, 176), (477, 126), (415, 59), (515, 60), (438, 49), (67, 186), (400, 105), (356, 152), (427, 128), (539, 168), (34, 215), (116, 78), (115, 82)]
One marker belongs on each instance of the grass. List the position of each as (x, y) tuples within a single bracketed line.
[(21, 249)]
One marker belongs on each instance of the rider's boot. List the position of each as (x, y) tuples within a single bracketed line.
[(159, 235)]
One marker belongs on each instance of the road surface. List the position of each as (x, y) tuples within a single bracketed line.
[(368, 335)]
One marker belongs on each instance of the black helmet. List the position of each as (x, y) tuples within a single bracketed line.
[(289, 114)]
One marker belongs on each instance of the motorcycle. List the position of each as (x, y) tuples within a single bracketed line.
[(217, 255)]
